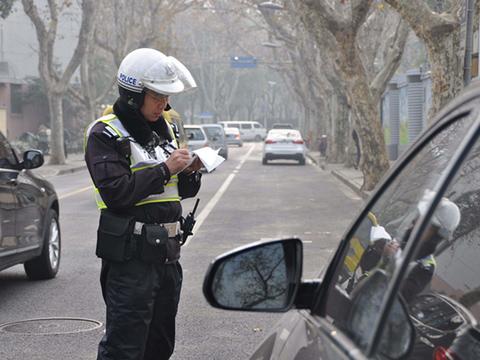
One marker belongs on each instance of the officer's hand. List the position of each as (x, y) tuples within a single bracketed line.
[(195, 166), (178, 160)]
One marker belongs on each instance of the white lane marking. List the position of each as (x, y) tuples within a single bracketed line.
[(214, 200), (75, 192)]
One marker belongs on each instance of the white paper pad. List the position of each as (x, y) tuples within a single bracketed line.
[(209, 157)]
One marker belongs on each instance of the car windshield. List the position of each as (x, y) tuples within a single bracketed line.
[(214, 132), (194, 134)]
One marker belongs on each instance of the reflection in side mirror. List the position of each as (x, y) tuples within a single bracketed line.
[(32, 159), (398, 334), (259, 277)]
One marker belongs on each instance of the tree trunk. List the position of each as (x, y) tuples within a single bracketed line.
[(373, 160), (447, 69), (90, 112), (337, 143), (57, 153)]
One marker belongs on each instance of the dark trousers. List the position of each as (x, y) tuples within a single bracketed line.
[(142, 302)]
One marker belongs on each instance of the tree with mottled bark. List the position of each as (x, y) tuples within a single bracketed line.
[(341, 24), (440, 30), (56, 82)]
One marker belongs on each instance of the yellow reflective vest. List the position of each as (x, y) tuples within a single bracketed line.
[(139, 159)]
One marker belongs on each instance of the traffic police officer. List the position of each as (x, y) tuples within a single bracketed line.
[(140, 176)]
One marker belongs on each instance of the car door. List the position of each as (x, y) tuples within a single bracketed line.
[(28, 198), (30, 212), (382, 240), (246, 131), (8, 175)]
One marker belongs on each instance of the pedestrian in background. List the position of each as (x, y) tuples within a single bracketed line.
[(322, 146), (140, 176)]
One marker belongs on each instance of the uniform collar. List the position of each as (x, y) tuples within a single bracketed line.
[(137, 126)]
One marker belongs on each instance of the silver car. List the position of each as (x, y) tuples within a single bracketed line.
[(232, 136), (196, 137), (216, 138), (284, 144)]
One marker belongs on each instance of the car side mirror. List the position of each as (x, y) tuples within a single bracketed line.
[(190, 136), (398, 335), (215, 138), (32, 159), (264, 276)]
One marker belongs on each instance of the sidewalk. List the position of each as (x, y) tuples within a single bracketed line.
[(75, 162), (349, 176)]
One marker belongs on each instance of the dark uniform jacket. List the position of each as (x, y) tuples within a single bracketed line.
[(121, 189)]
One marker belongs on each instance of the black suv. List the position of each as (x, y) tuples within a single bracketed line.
[(29, 226), (404, 281)]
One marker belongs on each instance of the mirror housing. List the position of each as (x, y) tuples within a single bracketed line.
[(264, 276), (32, 159)]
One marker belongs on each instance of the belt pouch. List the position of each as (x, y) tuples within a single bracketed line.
[(154, 243), (114, 236)]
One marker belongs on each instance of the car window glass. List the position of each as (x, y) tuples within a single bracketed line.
[(213, 131), (7, 158), (234, 125), (246, 126), (194, 134), (380, 236), (257, 126), (442, 288), (285, 134)]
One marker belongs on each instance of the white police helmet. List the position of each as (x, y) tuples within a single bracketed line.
[(446, 216), (150, 69)]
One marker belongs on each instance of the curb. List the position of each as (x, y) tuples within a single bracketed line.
[(321, 165), (351, 185)]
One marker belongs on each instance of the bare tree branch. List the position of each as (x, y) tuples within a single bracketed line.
[(392, 59)]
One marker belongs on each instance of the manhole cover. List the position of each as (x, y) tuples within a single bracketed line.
[(51, 326)]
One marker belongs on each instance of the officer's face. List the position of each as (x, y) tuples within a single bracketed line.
[(153, 105)]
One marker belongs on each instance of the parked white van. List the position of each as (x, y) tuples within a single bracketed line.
[(249, 130)]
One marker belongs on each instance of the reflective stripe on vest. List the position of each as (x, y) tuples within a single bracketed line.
[(428, 261), (140, 159)]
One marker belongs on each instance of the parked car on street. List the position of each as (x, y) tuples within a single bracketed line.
[(404, 281), (196, 137), (29, 226), (216, 138), (249, 130), (232, 136), (284, 144)]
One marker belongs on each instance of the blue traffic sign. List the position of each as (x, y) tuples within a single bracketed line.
[(241, 62)]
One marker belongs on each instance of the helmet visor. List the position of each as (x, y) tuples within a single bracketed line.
[(183, 74)]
